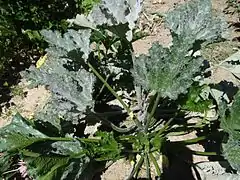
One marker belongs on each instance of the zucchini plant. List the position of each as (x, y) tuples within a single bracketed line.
[(107, 103)]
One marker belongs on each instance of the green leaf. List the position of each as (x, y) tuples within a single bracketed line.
[(45, 168), (108, 148), (195, 102), (230, 123), (168, 71), (19, 134), (195, 21), (47, 157), (5, 163), (72, 89), (119, 16)]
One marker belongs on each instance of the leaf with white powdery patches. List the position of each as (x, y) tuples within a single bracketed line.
[(71, 85), (170, 71), (230, 123), (195, 21)]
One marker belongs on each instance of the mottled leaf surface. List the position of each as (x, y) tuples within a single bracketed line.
[(194, 20), (230, 123), (71, 85), (170, 71)]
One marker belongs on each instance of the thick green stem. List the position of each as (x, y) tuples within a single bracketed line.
[(193, 141), (156, 102), (101, 90), (68, 139), (153, 159), (113, 126), (130, 113), (147, 163), (137, 168), (158, 133), (205, 153)]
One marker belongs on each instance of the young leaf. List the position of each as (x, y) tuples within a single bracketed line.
[(195, 102), (108, 149)]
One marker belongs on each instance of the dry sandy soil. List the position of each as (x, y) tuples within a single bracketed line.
[(36, 98)]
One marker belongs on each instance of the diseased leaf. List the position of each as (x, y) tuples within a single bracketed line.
[(230, 123), (168, 71), (119, 16), (231, 151), (76, 170), (68, 148), (71, 40), (72, 90), (111, 12), (194, 20)]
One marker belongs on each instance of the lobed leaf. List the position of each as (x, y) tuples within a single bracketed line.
[(71, 40), (71, 85), (170, 71), (194, 20), (119, 16)]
